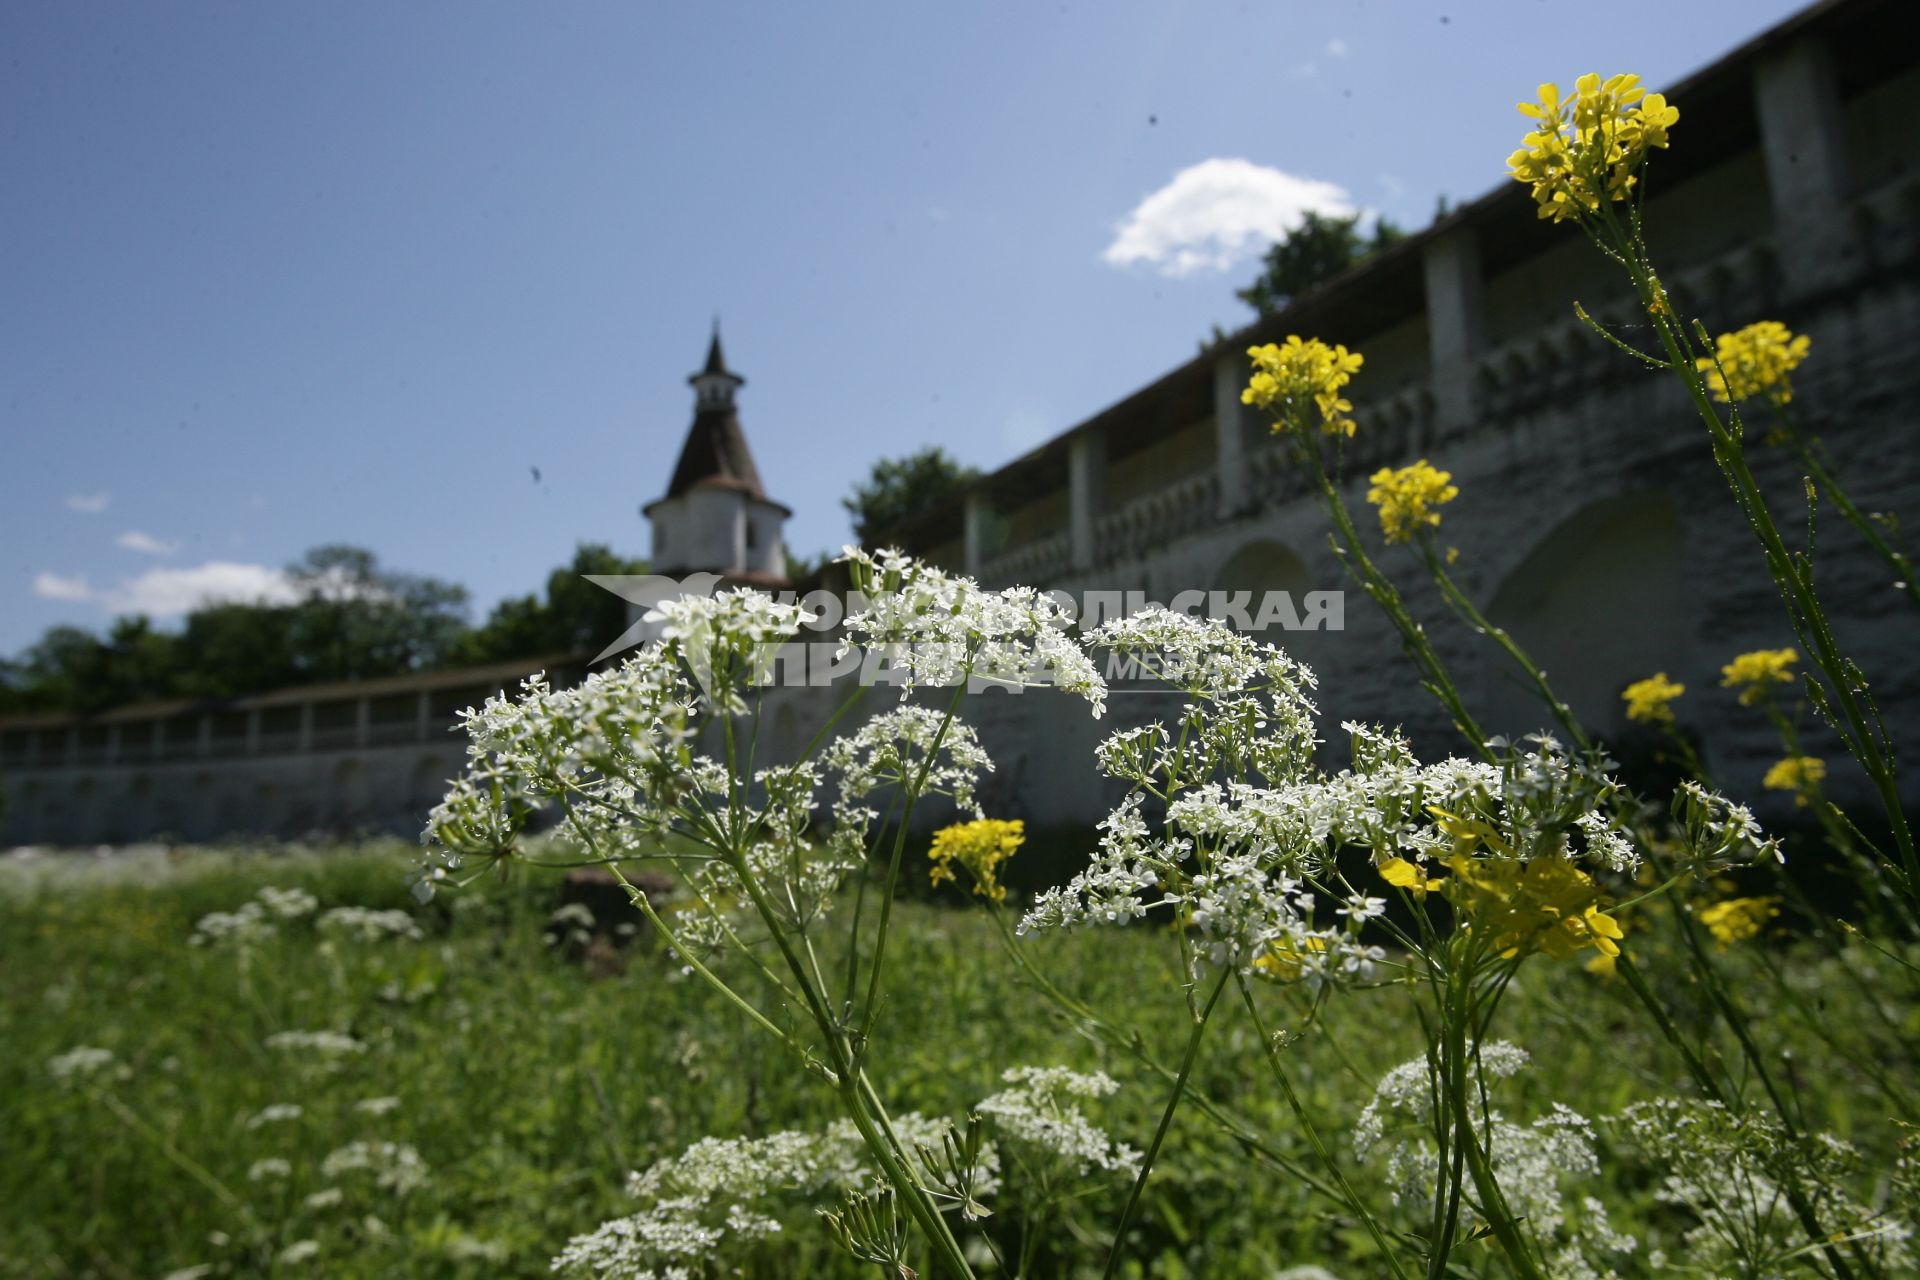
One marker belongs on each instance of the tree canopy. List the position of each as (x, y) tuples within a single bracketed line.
[(349, 618), (1316, 251), (898, 487)]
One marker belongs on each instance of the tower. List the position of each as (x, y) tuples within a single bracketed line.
[(715, 517)]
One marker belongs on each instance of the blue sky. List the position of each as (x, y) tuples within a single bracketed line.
[(278, 275)]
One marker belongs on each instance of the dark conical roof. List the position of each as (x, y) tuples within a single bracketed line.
[(716, 453), (716, 361)]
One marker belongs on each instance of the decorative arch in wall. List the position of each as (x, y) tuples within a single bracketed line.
[(1266, 565), (1601, 601)]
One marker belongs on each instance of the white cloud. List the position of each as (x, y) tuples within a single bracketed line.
[(1218, 213), (1394, 187), (90, 503), (168, 593), (1337, 48), (51, 586), (146, 543)]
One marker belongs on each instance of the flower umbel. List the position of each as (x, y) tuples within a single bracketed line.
[(1586, 149), (1406, 497), (980, 847), (1301, 380), (1650, 701), (1754, 674), (1754, 361)]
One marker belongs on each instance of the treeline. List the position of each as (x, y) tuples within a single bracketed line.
[(348, 618)]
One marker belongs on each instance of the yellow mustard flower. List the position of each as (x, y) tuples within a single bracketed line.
[(1585, 149), (980, 847), (1300, 382), (1406, 497), (1546, 905), (1737, 919), (1410, 876), (1801, 774), (1650, 701), (1284, 959), (1754, 674), (1755, 361)]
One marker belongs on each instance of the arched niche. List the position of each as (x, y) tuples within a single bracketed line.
[(1266, 566), (1601, 601)]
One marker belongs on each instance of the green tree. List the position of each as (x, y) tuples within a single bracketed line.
[(1319, 249), (353, 620), (575, 616), (898, 487)]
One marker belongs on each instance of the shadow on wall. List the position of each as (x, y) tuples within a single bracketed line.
[(1602, 601)]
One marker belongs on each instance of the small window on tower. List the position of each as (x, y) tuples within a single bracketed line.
[(753, 536)]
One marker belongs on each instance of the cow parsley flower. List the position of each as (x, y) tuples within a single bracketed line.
[(271, 1169), (943, 631), (720, 1192), (369, 925), (277, 1113), (288, 904), (82, 1062), (1041, 1112), (394, 1166)]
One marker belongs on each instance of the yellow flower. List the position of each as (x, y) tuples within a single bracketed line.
[(1409, 876), (1650, 701), (980, 847), (1547, 905), (1300, 380), (1585, 149), (1754, 674), (1283, 960), (1801, 774), (1737, 919), (1755, 361), (1406, 498)]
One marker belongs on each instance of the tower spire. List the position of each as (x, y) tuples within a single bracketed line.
[(714, 385)]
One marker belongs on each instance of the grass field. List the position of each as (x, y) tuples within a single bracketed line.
[(520, 1083)]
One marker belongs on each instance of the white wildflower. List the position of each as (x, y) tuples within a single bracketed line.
[(369, 925), (82, 1062), (298, 1252), (1039, 1113), (394, 1166), (277, 1113)]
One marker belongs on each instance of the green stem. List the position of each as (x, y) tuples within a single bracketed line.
[(1166, 1119), (1347, 1193)]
